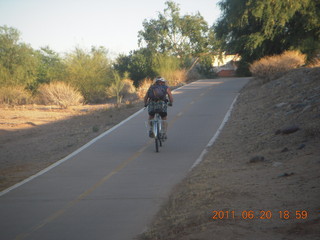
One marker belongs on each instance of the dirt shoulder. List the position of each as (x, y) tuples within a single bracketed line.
[(265, 164), (34, 137)]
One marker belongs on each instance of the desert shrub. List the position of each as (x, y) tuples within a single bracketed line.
[(143, 87), (273, 67), (176, 77), (128, 87), (193, 74), (314, 63), (120, 87), (60, 93), (169, 68), (15, 95)]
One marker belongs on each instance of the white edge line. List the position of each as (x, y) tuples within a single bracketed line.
[(216, 135), (43, 171), (69, 156)]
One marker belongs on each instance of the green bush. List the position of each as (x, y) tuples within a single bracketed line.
[(90, 72), (205, 67)]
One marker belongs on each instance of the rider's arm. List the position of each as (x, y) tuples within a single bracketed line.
[(146, 99), (170, 95)]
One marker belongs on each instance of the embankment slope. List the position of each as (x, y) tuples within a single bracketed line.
[(265, 164)]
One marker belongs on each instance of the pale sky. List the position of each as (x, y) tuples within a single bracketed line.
[(65, 24)]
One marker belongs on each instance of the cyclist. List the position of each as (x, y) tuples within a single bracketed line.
[(156, 100)]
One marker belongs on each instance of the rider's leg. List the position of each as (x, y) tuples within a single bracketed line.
[(151, 117), (164, 124)]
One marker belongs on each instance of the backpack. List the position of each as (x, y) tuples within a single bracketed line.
[(157, 92)]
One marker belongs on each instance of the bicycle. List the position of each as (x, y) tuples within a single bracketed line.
[(158, 129)]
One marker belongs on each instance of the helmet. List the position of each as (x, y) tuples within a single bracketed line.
[(160, 79)]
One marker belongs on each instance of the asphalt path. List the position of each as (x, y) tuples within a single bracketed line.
[(111, 188)]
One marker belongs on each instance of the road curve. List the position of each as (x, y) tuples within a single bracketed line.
[(112, 187)]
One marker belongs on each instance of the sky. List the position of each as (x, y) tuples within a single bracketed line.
[(64, 25)]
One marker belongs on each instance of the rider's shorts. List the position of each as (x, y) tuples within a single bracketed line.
[(157, 107)]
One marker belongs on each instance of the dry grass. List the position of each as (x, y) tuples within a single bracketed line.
[(60, 93), (143, 87), (273, 67), (121, 89), (176, 77), (314, 63), (14, 95), (128, 87)]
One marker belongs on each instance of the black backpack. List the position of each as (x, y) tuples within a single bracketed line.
[(157, 92)]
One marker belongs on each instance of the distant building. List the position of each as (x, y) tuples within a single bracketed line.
[(225, 66)]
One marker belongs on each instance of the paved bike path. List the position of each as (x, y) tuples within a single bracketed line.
[(113, 187)]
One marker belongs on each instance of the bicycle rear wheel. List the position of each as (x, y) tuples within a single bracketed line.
[(156, 135), (157, 144)]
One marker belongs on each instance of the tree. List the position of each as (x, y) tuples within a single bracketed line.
[(180, 40), (90, 72), (205, 67), (138, 64), (256, 28), (176, 35), (142, 64), (50, 68), (18, 61)]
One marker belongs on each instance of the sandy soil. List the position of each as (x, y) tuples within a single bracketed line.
[(34, 137), (261, 179)]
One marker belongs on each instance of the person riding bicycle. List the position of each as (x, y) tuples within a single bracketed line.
[(156, 100)]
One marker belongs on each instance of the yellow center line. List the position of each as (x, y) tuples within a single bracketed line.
[(186, 108), (86, 193), (121, 166)]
